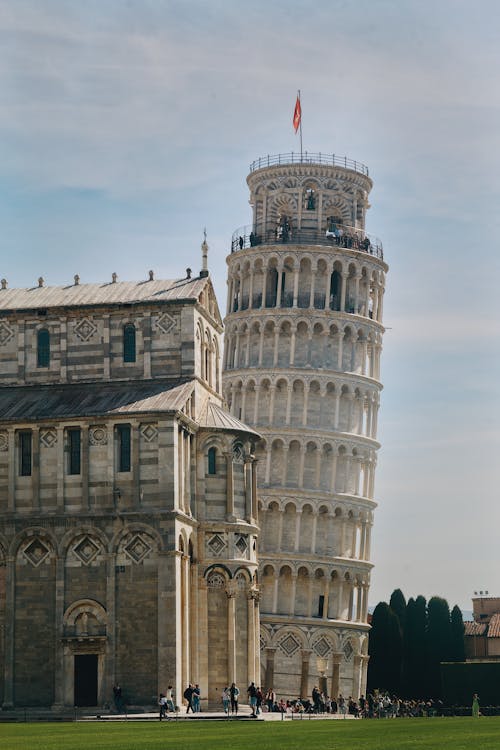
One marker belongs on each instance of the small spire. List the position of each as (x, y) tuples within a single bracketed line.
[(114, 277), (188, 273), (4, 283), (204, 254), (40, 281), (77, 279), (151, 275)]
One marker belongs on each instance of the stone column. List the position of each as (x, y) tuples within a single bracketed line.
[(356, 680), (288, 404), (304, 677), (335, 684), (251, 638), (186, 676), (291, 606), (58, 645), (343, 292), (278, 291), (106, 348), (248, 463), (10, 584), (35, 469), (254, 490), (229, 486), (269, 678), (295, 286), (202, 625), (231, 632), (11, 496)]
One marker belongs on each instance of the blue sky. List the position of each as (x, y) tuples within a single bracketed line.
[(126, 127)]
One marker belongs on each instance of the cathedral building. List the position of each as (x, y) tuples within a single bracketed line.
[(128, 516), (303, 337)]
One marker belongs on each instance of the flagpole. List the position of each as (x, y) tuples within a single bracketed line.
[(300, 125)]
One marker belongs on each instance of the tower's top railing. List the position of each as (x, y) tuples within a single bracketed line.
[(331, 160)]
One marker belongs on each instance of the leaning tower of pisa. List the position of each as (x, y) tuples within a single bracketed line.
[(302, 351)]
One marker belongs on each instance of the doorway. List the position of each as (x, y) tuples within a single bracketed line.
[(85, 679)]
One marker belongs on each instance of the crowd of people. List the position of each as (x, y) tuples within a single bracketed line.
[(378, 705)]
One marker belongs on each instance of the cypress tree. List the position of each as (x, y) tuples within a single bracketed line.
[(457, 629), (385, 647), (438, 642), (398, 605)]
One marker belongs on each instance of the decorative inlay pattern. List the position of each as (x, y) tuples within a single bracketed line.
[(85, 329), (36, 552), (241, 544), (348, 650), (98, 435), (138, 548), (216, 581), (86, 550), (216, 544), (238, 454), (4, 440), (6, 333), (166, 323), (322, 647), (48, 437), (289, 645), (149, 432)]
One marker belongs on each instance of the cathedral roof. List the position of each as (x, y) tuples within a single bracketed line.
[(112, 293), (474, 628), (25, 403), (214, 417)]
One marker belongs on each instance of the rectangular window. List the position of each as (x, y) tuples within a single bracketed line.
[(25, 453), (321, 605), (124, 462), (74, 450)]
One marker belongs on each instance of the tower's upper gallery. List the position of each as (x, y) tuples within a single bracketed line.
[(318, 199)]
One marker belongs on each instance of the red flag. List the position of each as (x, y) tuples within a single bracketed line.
[(297, 114)]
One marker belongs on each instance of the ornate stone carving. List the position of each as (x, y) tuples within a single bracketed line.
[(166, 323), (138, 548), (216, 544), (98, 435), (348, 650), (289, 645), (48, 437), (85, 329), (36, 552), (149, 432), (86, 550), (216, 581), (6, 333), (322, 647), (241, 544)]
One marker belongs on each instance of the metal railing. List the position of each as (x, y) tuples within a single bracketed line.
[(344, 236), (331, 160)]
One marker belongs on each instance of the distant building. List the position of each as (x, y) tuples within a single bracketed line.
[(128, 529), (482, 634)]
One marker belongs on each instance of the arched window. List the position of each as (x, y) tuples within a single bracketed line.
[(212, 461), (43, 348), (129, 343)]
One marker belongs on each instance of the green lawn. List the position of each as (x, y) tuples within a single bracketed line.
[(398, 734)]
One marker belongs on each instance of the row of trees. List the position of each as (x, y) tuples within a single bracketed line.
[(409, 640)]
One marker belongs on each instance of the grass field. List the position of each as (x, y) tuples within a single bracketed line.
[(399, 734)]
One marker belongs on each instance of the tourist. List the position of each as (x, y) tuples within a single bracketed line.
[(162, 702), (260, 700), (226, 699), (117, 698), (196, 698), (188, 695), (270, 699), (252, 699), (234, 693), (169, 699), (475, 706)]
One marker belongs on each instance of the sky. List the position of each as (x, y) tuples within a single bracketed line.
[(127, 126)]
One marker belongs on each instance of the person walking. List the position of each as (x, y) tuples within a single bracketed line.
[(226, 700), (196, 698), (162, 702), (234, 693), (188, 695), (252, 699), (169, 699)]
